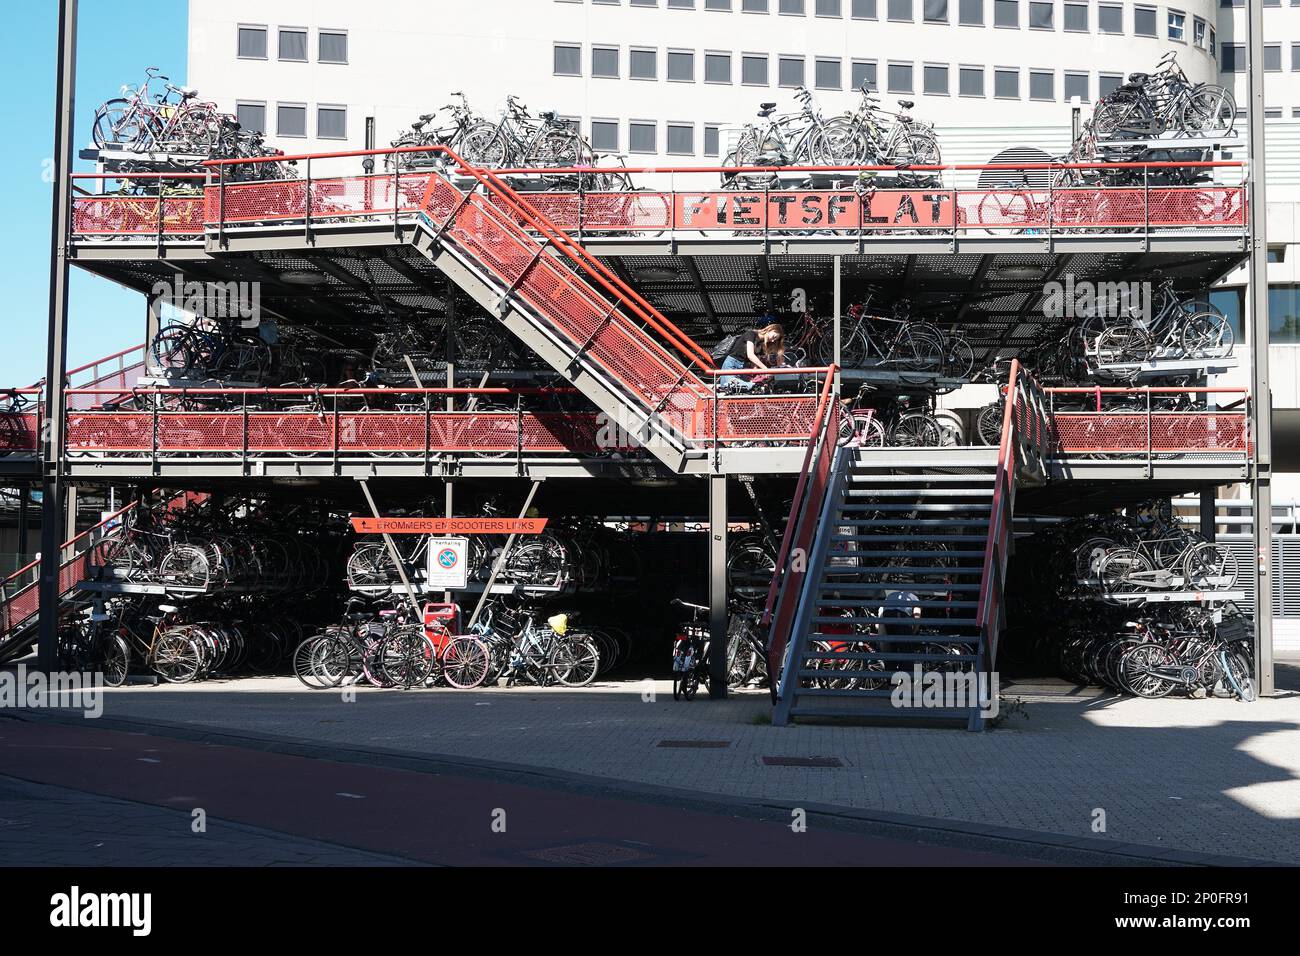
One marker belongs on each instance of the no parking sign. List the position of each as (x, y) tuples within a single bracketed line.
[(447, 562)]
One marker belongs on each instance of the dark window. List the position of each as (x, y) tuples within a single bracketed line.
[(641, 137), (864, 9), (681, 139), (717, 68), (790, 71), (1041, 16), (935, 11), (754, 6), (712, 139), (290, 120), (1233, 58), (1006, 84), (714, 5), (829, 75), (681, 65), (643, 64), (252, 42), (1042, 85), (935, 78), (331, 122), (970, 81), (1108, 82), (251, 116), (1006, 13), (604, 135), (293, 45), (900, 78), (971, 13), (864, 72), (1144, 21), (1076, 84), (332, 47), (792, 6), (568, 60), (900, 10), (829, 8), (1110, 18), (1273, 58), (1076, 17), (1295, 56), (604, 61), (753, 70)]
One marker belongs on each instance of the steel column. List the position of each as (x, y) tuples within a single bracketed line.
[(56, 357), (1261, 404), (718, 586), (839, 302), (1209, 526)]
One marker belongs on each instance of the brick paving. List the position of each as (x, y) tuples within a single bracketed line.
[(1207, 776)]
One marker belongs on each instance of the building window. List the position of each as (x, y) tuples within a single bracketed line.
[(604, 135), (293, 45), (604, 61), (754, 6), (934, 11), (970, 13), (681, 4), (1110, 18), (291, 119), (1272, 58), (1177, 27), (644, 3), (864, 75), (640, 137), (789, 71), (1144, 21), (1042, 85), (252, 43), (1107, 83), (1006, 13), (753, 69), (1272, 112), (900, 10), (1233, 59), (1212, 46), (331, 122), (568, 59), (712, 140), (717, 67), (1295, 57), (331, 46), (643, 64), (1198, 32), (681, 139), (1076, 84), (792, 7), (1041, 16), (708, 5), (934, 79), (970, 80), (900, 77), (1284, 314), (1006, 84), (863, 9), (828, 74), (681, 66), (251, 116), (1075, 17), (829, 8)]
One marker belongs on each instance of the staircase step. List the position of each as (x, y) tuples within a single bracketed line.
[(893, 639), (902, 569), (890, 713), (895, 621), (964, 553), (912, 522), (908, 537), (944, 508), (920, 602), (814, 654), (859, 475), (857, 587), (986, 493), (883, 693)]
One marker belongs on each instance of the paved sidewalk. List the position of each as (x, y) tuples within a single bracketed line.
[(1208, 776), (43, 825)]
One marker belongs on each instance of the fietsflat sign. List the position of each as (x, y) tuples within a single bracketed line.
[(449, 525), (885, 209)]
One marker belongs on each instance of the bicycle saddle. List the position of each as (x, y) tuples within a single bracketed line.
[(425, 117), (1138, 79), (547, 114), (906, 104)]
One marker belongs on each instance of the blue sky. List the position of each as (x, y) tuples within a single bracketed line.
[(116, 42)]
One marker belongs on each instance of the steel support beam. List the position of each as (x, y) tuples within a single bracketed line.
[(718, 586), (837, 274), (1257, 309), (56, 357), (1209, 526)]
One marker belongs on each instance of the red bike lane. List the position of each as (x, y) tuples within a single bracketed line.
[(431, 817)]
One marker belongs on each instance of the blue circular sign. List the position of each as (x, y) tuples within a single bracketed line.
[(447, 558)]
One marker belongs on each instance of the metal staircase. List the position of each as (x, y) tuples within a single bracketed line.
[(899, 603), (571, 310)]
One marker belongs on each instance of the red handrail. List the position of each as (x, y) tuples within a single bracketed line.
[(69, 543)]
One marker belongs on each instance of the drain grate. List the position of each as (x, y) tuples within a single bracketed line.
[(803, 762), (589, 854), (695, 744)]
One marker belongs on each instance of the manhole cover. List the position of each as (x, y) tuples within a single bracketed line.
[(695, 744), (589, 854), (803, 762)]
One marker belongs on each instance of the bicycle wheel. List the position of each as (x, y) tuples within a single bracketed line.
[(111, 126), (988, 424), (176, 657), (114, 660), (1240, 673), (1208, 110), (574, 663), (1209, 566), (742, 659), (465, 662), (750, 567), (1118, 569), (407, 655), (1139, 671), (1124, 343), (1207, 335), (916, 430), (837, 142), (185, 565), (482, 145), (959, 357), (369, 567)]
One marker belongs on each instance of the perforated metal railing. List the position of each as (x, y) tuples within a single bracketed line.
[(20, 592), (1129, 422)]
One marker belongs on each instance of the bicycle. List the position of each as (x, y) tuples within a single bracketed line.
[(1153, 104)]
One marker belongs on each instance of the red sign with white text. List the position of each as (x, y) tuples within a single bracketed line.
[(449, 525), (881, 209)]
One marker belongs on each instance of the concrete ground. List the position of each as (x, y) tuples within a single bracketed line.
[(1209, 777)]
